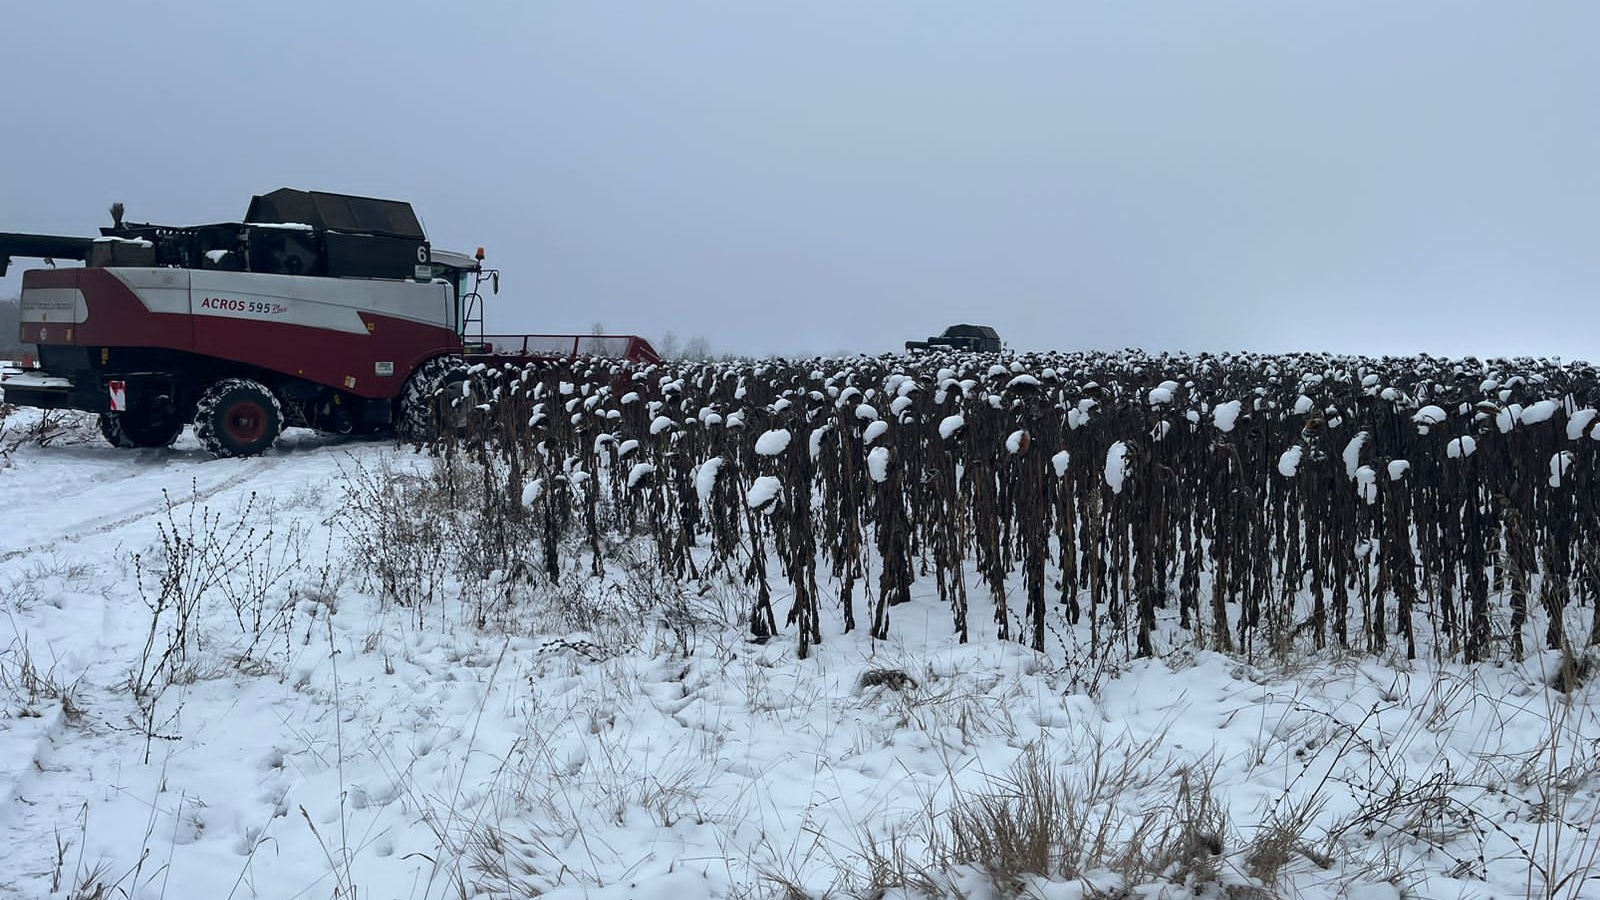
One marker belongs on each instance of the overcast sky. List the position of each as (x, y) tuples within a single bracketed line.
[(840, 176)]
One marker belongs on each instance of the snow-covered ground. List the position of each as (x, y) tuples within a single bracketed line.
[(311, 741)]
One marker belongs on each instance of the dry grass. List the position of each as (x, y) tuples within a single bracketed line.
[(1075, 819), (30, 688)]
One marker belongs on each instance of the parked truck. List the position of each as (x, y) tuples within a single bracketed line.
[(319, 310)]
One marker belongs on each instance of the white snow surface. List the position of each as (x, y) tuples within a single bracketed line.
[(814, 442), (370, 745), (639, 472), (1352, 452), (949, 425), (1060, 461), (1461, 447), (1289, 461), (705, 479), (763, 491), (1541, 411), (1508, 417), (874, 431), (774, 442), (1429, 415), (1579, 421), (532, 491), (1559, 464), (878, 464), (1116, 466), (1226, 414), (1366, 479)]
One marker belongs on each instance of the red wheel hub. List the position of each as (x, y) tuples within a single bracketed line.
[(245, 421)]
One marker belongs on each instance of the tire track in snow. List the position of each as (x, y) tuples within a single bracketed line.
[(85, 529), (29, 751)]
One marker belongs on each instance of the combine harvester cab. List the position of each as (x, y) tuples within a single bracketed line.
[(323, 311)]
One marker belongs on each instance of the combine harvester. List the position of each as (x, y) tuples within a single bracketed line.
[(961, 338), (320, 310)]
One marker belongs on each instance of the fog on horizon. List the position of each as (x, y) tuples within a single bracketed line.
[(833, 177)]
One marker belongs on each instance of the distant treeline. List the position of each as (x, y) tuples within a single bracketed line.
[(10, 328)]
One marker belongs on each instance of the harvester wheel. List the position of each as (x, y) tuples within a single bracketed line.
[(237, 417), (437, 400), (140, 428)]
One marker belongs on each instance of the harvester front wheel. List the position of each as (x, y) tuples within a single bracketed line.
[(436, 401), (140, 428), (237, 417)]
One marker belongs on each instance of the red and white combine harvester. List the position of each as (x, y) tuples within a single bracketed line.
[(320, 310)]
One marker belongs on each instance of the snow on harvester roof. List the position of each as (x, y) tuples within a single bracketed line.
[(336, 212), (454, 260), (285, 226)]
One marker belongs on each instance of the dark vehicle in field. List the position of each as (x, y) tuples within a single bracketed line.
[(969, 338)]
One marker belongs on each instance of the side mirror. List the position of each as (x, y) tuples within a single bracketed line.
[(494, 281)]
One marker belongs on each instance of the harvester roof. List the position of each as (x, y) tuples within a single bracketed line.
[(336, 212)]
